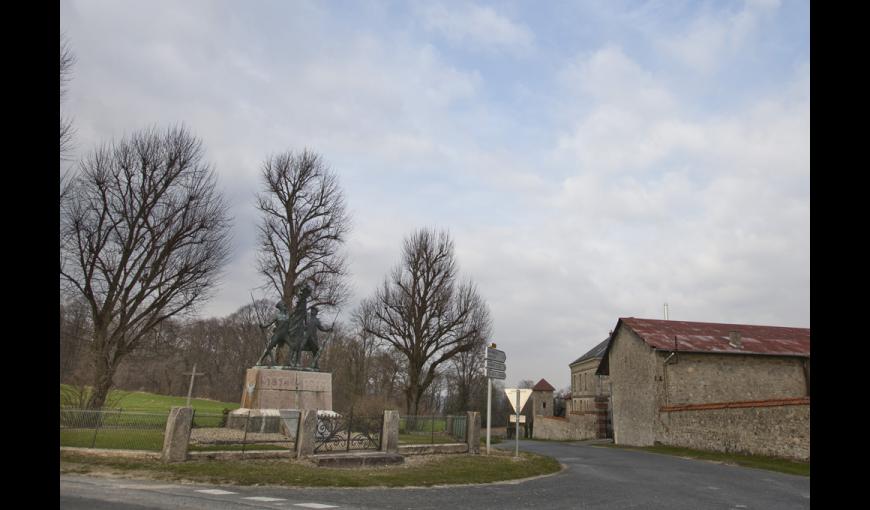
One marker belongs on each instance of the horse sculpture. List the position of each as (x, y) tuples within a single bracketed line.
[(298, 331)]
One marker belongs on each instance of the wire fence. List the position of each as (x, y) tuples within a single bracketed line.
[(112, 429), (246, 432), (432, 429)]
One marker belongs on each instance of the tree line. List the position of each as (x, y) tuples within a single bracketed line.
[(145, 237)]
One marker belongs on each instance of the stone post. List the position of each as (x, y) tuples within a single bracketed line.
[(305, 435), (472, 432), (177, 434), (390, 432)]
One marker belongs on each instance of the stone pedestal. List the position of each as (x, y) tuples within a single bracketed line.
[(267, 390)]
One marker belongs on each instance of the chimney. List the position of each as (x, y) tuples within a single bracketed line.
[(735, 339)]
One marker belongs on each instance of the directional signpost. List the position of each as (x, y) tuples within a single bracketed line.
[(520, 396), (494, 368)]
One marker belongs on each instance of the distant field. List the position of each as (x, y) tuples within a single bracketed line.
[(152, 402)]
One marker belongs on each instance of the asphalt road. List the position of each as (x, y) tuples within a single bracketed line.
[(594, 478)]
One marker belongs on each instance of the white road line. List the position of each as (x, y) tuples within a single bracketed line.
[(217, 492), (264, 498), (314, 505)]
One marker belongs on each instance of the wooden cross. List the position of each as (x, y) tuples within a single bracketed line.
[(192, 375)]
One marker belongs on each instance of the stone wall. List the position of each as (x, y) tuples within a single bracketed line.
[(691, 378), (764, 429), (575, 427), (635, 400)]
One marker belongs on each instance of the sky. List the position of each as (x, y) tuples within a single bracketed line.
[(591, 160)]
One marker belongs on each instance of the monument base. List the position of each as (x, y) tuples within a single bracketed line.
[(268, 390)]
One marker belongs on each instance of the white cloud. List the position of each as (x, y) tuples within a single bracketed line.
[(477, 27), (712, 38)]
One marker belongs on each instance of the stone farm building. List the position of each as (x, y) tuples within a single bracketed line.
[(723, 387), (585, 383), (587, 415)]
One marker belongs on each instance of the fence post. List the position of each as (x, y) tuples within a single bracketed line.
[(177, 434), (99, 419), (390, 432), (306, 433), (245, 437), (472, 431)]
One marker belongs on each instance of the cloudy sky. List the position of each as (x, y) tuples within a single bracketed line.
[(591, 160)]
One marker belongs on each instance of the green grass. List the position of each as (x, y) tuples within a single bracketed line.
[(753, 461), (152, 402), (113, 439), (447, 469)]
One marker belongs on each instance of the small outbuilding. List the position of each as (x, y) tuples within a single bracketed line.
[(723, 387)]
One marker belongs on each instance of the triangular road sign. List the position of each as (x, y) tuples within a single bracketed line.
[(512, 397)]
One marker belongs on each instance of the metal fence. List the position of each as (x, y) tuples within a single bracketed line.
[(347, 432), (113, 429), (432, 429), (219, 432)]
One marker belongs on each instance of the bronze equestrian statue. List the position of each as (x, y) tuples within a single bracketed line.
[(298, 331)]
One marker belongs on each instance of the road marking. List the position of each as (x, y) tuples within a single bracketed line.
[(217, 492), (712, 488), (314, 505), (264, 498), (141, 486)]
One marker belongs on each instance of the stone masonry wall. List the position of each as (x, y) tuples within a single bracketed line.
[(779, 431), (635, 399), (703, 378), (575, 427)]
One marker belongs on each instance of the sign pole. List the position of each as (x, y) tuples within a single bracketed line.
[(488, 410), (517, 454)]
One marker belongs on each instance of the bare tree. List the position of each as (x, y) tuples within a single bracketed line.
[(424, 313), (144, 236), (67, 59), (303, 226), (468, 384)]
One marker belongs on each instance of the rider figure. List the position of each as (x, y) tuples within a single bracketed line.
[(286, 326), (311, 327)]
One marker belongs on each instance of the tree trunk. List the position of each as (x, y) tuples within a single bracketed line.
[(102, 383)]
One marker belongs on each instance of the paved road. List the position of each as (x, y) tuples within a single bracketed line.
[(594, 478)]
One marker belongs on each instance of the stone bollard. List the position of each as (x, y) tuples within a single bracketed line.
[(390, 432), (472, 432), (306, 433), (177, 434)]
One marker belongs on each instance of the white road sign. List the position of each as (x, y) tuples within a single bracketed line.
[(512, 397)]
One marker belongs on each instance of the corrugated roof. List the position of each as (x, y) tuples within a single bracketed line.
[(543, 385), (595, 352), (714, 337)]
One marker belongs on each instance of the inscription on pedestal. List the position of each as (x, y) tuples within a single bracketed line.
[(287, 389)]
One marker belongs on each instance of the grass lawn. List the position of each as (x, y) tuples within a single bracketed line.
[(151, 402), (419, 471), (113, 439), (754, 461)]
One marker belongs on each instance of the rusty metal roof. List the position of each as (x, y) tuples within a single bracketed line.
[(543, 385), (714, 338)]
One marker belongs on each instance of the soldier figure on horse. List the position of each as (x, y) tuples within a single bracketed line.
[(297, 330)]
